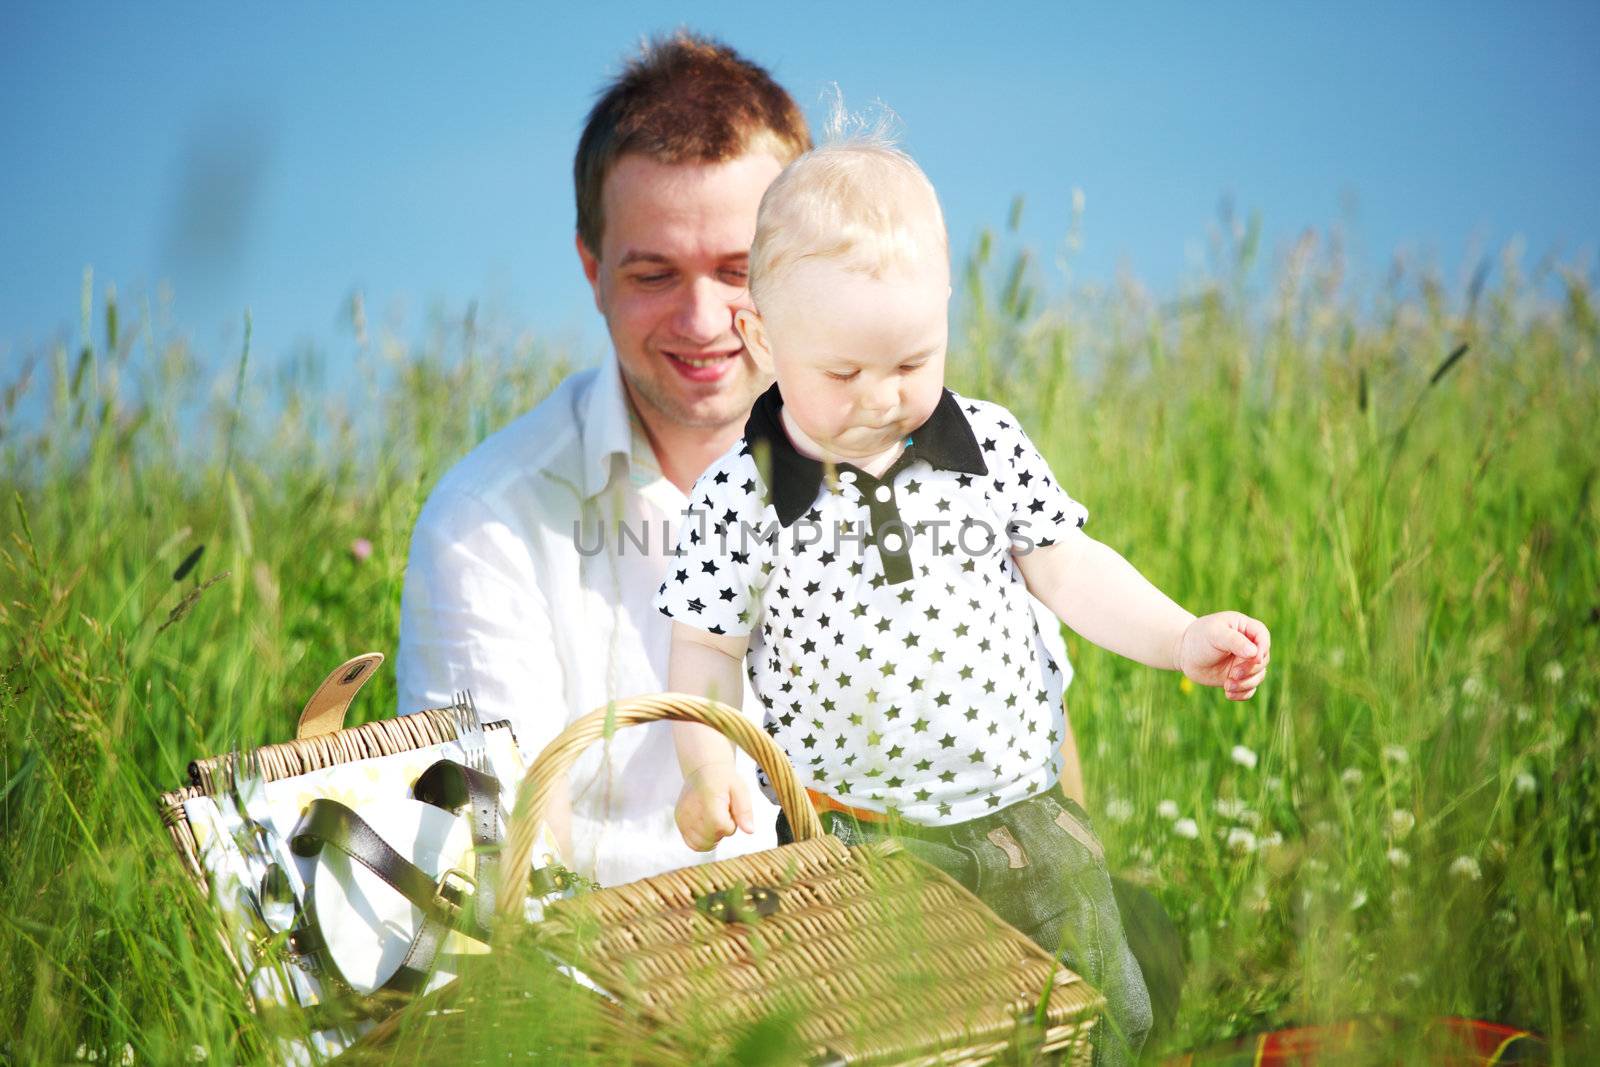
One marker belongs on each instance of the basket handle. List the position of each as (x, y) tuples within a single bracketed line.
[(324, 712), (558, 756)]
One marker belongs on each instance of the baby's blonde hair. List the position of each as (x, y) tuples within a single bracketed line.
[(857, 199)]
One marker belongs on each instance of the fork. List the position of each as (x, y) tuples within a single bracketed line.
[(469, 733)]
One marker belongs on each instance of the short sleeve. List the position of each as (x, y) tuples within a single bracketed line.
[(722, 560), (1036, 509)]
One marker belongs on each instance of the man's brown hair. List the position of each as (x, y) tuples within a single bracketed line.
[(683, 99)]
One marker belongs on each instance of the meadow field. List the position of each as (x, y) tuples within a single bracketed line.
[(1400, 479)]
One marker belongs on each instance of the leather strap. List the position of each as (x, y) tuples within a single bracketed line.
[(444, 906), (324, 712), (452, 786), (328, 823)]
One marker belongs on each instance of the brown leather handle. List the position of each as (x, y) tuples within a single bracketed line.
[(558, 756), (324, 712)]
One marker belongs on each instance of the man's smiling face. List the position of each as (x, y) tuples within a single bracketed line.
[(672, 271)]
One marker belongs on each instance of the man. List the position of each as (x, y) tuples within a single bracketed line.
[(527, 583)]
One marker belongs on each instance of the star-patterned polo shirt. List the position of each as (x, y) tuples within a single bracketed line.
[(893, 641)]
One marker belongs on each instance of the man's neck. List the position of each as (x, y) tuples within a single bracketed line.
[(683, 452)]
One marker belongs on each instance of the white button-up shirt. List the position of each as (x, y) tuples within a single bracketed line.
[(527, 585)]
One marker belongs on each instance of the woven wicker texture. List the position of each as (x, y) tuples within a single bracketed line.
[(871, 956), (874, 956)]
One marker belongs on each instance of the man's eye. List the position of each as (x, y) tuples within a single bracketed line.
[(737, 277), (908, 367), (651, 279), (842, 377)]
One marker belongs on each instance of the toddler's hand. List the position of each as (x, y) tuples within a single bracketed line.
[(714, 803), (1226, 649)]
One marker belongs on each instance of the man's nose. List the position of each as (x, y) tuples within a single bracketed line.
[(703, 314)]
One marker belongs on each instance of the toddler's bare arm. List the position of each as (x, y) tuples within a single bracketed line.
[(714, 802), (1100, 595)]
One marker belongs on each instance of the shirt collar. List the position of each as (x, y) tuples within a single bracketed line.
[(608, 430), (946, 441)]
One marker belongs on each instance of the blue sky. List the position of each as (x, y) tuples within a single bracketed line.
[(280, 157)]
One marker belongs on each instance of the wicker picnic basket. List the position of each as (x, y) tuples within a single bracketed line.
[(872, 955), (287, 759), (298, 1031)]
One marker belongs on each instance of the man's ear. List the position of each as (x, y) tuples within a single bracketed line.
[(591, 269), (753, 331)]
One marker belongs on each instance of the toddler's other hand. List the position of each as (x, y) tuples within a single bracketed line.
[(1226, 649), (713, 803)]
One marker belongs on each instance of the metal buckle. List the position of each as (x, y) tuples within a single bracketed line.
[(739, 903), (453, 889)]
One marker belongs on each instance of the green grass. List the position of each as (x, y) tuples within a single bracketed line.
[(1420, 831)]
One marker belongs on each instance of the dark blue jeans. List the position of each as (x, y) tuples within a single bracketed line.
[(1039, 866)]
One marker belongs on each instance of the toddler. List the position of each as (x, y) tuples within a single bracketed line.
[(866, 553)]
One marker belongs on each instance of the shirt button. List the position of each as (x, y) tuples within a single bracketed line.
[(883, 494)]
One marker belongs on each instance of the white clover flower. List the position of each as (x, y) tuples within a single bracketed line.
[(1244, 757), (1336, 657), (1401, 823), (1466, 868), (1505, 917), (1272, 840), (1351, 776), (199, 1054), (1358, 899), (1554, 672), (1186, 828), (1472, 687), (127, 1055), (1227, 807), (1524, 714), (1396, 754), (1119, 810), (1399, 858), (1273, 783), (1167, 809), (1170, 736), (1241, 842), (1525, 783)]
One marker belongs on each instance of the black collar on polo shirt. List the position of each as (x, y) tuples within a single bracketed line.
[(945, 441)]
